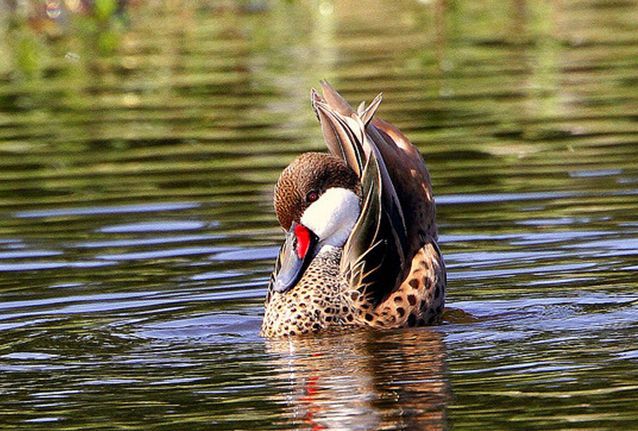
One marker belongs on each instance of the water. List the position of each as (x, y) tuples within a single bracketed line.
[(138, 149)]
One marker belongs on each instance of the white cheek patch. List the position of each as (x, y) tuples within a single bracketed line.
[(333, 216)]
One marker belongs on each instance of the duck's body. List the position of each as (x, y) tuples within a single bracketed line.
[(362, 242)]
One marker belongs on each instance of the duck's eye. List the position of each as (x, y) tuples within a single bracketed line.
[(312, 196)]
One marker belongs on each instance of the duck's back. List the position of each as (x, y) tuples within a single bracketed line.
[(411, 180), (419, 295)]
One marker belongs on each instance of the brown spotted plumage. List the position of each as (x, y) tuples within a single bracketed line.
[(362, 245)]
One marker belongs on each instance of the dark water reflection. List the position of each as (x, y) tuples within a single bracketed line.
[(138, 148), (364, 381)]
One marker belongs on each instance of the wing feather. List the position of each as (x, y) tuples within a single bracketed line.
[(375, 253)]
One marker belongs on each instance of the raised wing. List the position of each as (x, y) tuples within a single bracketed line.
[(375, 254)]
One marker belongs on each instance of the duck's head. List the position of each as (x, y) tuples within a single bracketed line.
[(317, 202)]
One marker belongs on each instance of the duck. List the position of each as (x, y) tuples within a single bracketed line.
[(361, 245)]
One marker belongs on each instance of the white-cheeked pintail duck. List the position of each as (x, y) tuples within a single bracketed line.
[(361, 247)]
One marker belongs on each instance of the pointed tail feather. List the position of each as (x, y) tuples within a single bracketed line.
[(343, 136), (334, 99)]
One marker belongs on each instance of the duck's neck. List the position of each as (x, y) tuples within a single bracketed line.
[(330, 250)]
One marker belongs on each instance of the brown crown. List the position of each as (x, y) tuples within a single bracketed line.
[(309, 172)]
